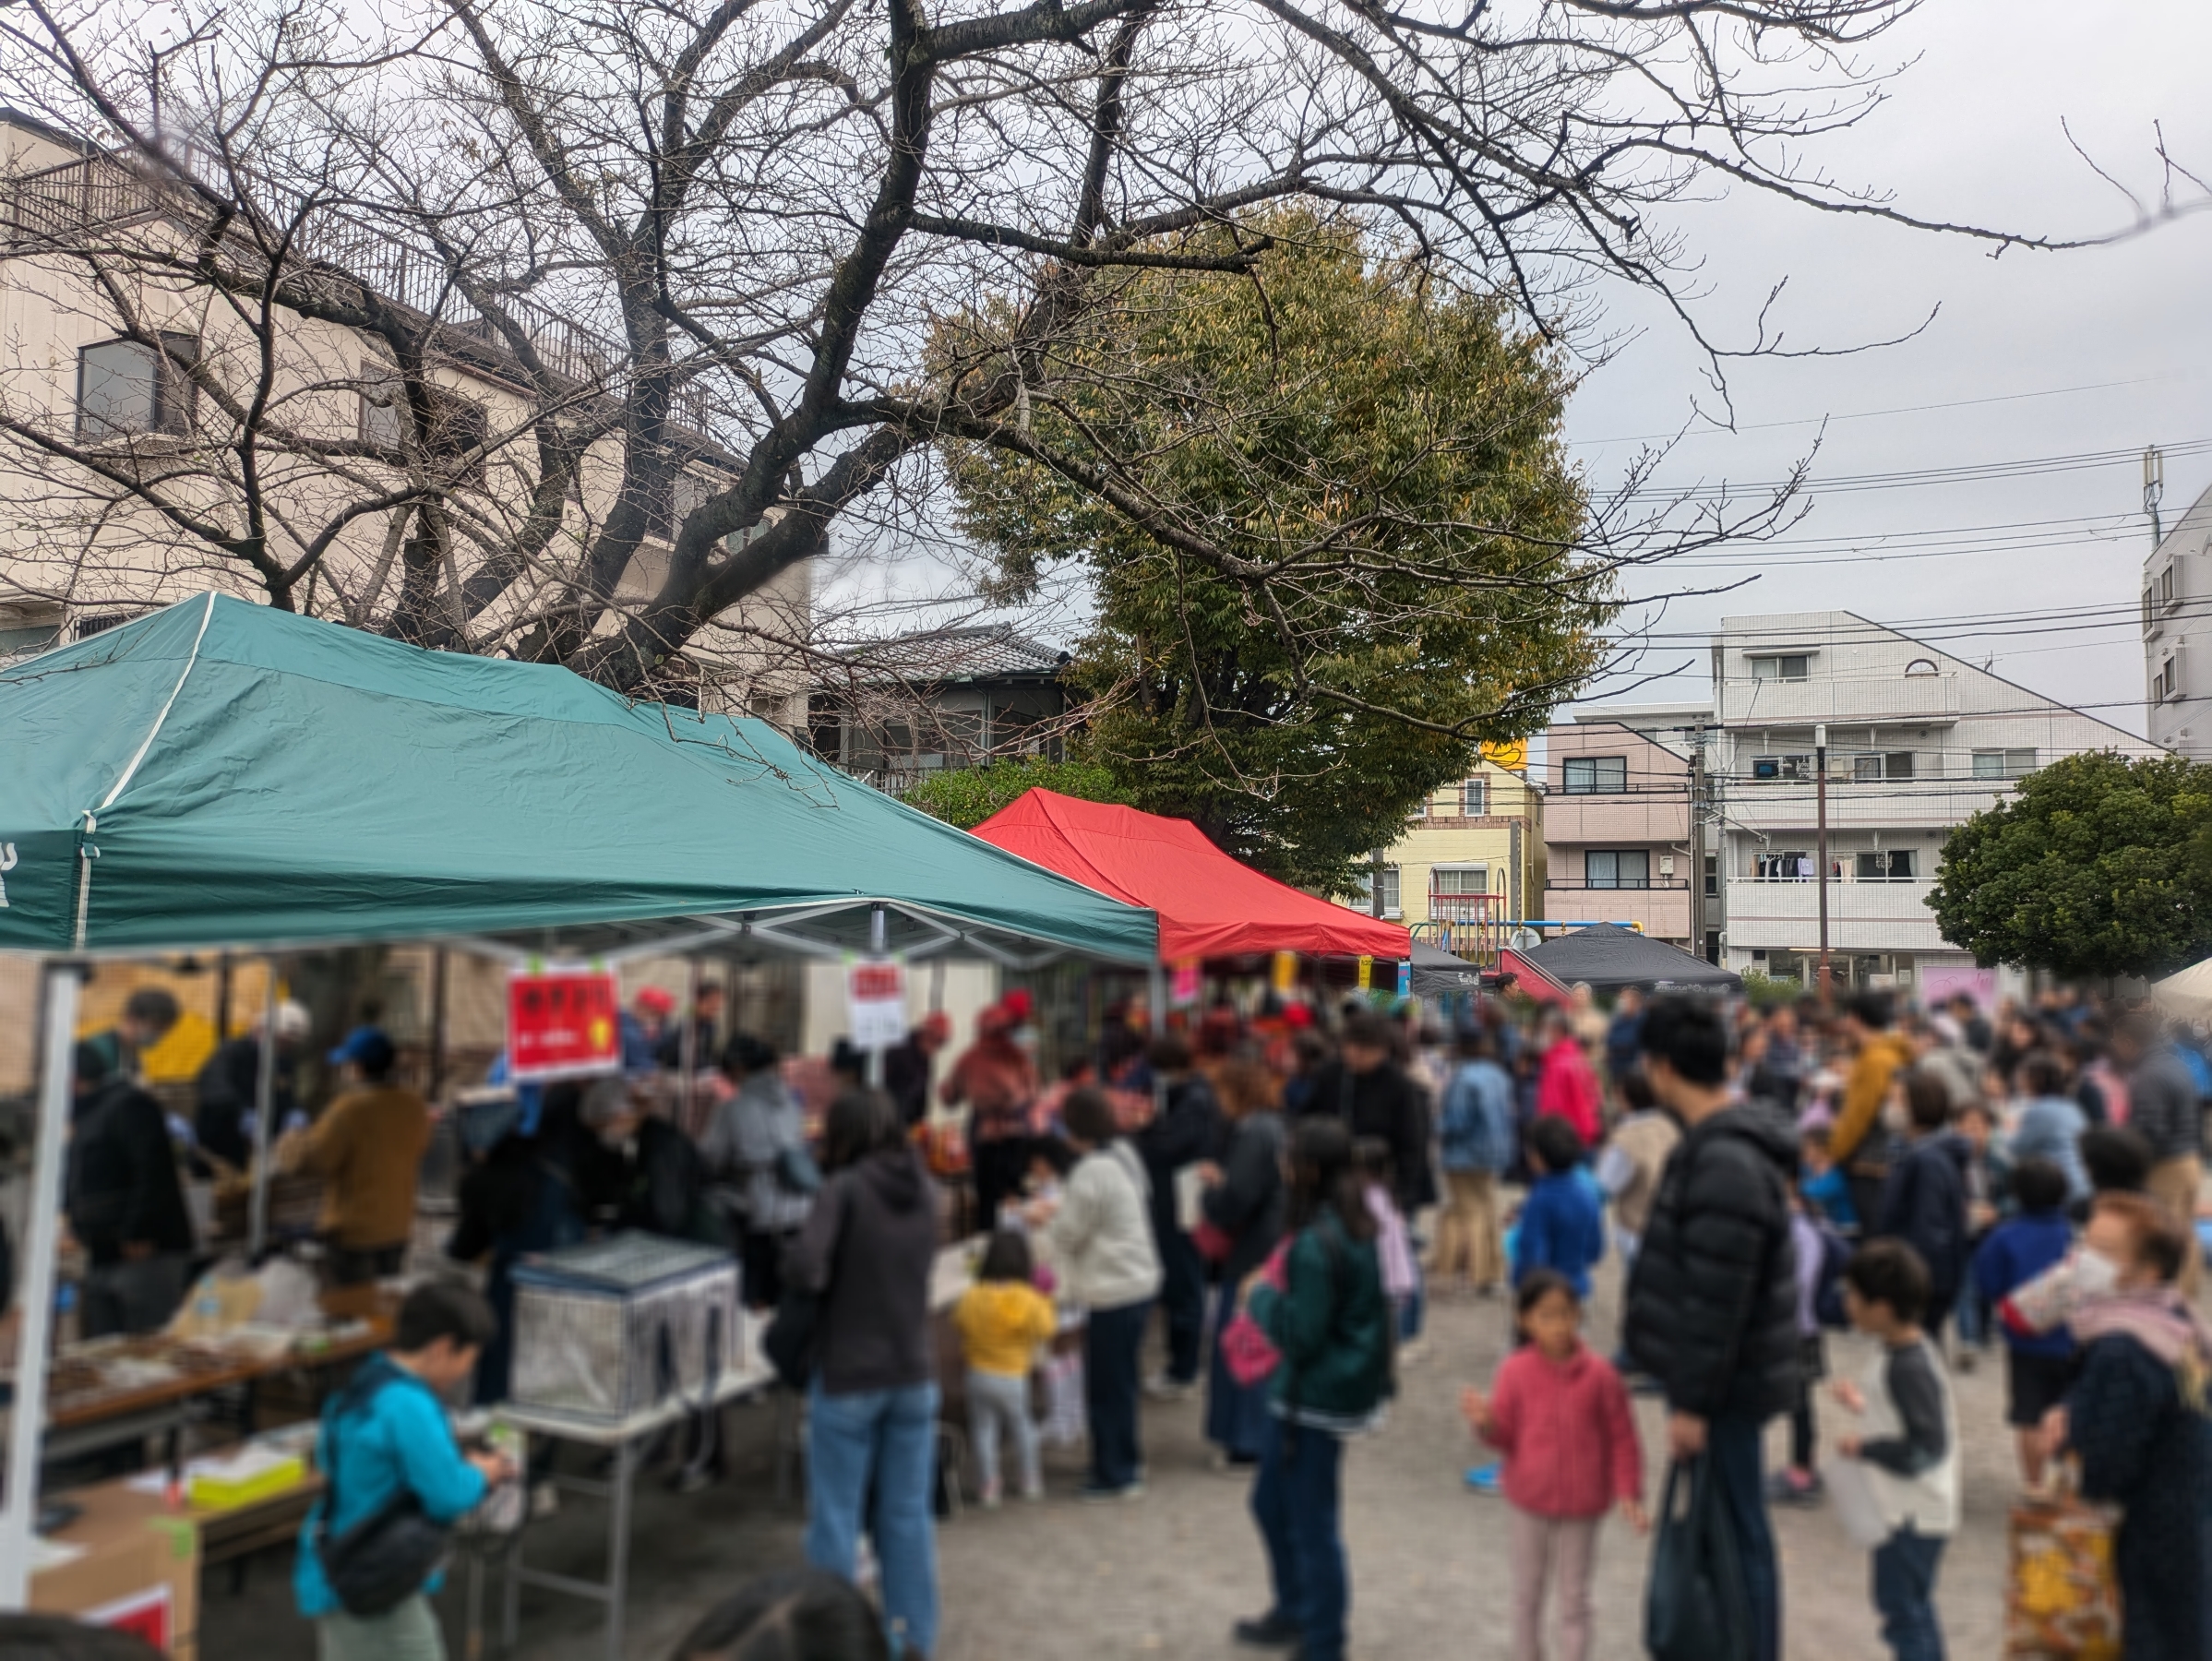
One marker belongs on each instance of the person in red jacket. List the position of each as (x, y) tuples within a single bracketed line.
[(1559, 1415), (1566, 1086)]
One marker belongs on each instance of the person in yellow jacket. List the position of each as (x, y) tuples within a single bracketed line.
[(1860, 1140), (1001, 1320)]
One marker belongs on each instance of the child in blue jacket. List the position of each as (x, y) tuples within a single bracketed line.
[(1562, 1224), (2039, 1367), (387, 1432)]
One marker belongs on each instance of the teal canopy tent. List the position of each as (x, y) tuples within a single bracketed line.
[(221, 774)]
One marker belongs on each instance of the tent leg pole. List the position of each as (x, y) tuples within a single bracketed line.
[(687, 1050), (878, 943), (438, 968), (27, 1434), (1155, 986), (265, 1103)]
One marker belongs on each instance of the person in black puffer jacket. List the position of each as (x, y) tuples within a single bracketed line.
[(1712, 1302)]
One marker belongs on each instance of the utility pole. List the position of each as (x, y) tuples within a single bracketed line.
[(1697, 841), (2154, 491), (1820, 793)]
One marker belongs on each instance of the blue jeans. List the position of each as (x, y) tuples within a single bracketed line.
[(891, 1435), (1112, 1339), (1738, 1465), (1904, 1567), (1298, 1502), (1238, 1420)]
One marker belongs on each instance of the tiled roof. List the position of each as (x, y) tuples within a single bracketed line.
[(980, 652)]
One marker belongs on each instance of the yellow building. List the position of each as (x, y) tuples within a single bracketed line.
[(1475, 856)]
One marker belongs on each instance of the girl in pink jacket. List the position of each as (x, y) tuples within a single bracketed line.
[(1559, 1415)]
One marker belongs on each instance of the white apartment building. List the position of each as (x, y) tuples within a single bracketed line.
[(1918, 741), (2177, 635)]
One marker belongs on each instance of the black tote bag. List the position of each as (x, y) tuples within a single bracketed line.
[(1697, 1607)]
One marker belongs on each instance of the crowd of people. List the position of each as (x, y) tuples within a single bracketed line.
[(1281, 1190)]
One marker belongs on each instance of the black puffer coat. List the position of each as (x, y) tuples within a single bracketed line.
[(1711, 1306)]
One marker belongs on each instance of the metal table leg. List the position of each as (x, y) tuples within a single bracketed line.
[(510, 1592), (625, 1470)]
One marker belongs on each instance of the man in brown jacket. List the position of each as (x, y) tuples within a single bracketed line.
[(1859, 1141), (367, 1147)]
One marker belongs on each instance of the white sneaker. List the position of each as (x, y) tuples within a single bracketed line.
[(1161, 1388)]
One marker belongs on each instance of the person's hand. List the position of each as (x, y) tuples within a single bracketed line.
[(1209, 1174), (494, 1468), (1685, 1436), (1244, 1287), (1849, 1396), (2055, 1428), (1848, 1446), (1634, 1516), (1474, 1407), (1038, 1211), (136, 1252)]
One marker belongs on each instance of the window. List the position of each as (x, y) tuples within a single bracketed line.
[(684, 495), (1893, 764), (1770, 770), (1461, 879), (1788, 865), (1786, 666), (1595, 775), (2004, 763), (124, 387), (1921, 666), (1474, 798), (1387, 881), (1617, 868), (1887, 865), (2167, 681), (1713, 875), (2165, 586)]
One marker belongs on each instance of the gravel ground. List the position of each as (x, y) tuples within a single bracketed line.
[(1167, 1574)]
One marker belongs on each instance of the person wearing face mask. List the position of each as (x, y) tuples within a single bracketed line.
[(998, 1080), (2135, 1420)]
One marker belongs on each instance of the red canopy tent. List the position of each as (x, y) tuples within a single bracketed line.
[(1210, 905)]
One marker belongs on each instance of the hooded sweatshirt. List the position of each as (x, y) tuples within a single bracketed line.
[(868, 1250), (1857, 1139)]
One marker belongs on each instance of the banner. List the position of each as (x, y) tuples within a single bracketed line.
[(1405, 979), (1367, 972), (563, 1022), (876, 1003), (1285, 976), (1513, 756)]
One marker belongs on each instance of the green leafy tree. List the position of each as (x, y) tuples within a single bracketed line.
[(2099, 864), (966, 797), (1328, 526)]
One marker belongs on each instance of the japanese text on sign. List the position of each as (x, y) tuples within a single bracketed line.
[(562, 1023), (876, 1002)]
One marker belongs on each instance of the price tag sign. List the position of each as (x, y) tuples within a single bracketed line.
[(1285, 977), (876, 1003), (1184, 989), (1367, 972), (563, 1022)]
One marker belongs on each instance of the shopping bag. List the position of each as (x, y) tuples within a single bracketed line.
[(1697, 1607), (2061, 1598), (1064, 1418)]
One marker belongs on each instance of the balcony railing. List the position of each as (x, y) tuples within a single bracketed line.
[(1621, 888)]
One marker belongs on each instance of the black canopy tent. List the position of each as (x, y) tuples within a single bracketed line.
[(1437, 974), (1608, 957)]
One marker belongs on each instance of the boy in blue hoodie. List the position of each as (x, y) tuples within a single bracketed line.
[(1562, 1224), (2038, 1367), (384, 1433)]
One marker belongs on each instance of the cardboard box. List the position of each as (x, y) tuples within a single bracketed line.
[(140, 1563)]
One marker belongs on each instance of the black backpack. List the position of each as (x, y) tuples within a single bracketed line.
[(384, 1559)]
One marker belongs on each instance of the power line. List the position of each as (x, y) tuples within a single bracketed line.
[(1970, 473), (1960, 403)]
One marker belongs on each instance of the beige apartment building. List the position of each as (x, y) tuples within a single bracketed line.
[(107, 446), (1617, 820)]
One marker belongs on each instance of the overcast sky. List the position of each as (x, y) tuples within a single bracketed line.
[(2066, 355)]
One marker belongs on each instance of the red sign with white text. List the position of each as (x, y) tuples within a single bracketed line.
[(562, 1023)]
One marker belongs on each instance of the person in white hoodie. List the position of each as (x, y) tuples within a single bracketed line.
[(1099, 1236), (1909, 1445)]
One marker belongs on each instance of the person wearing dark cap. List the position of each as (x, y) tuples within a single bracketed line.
[(125, 1204), (147, 1014), (367, 1147)]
